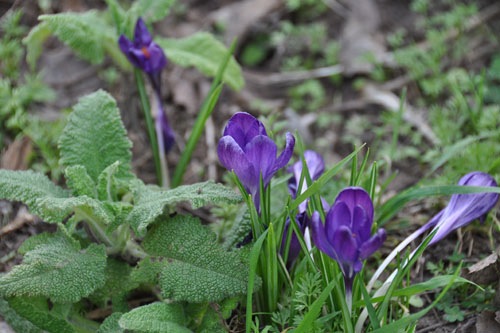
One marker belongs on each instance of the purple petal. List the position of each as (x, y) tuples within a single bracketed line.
[(261, 153), (233, 158), (142, 37), (372, 245), (356, 196), (154, 59), (127, 48), (243, 127), (286, 155), (362, 225), (315, 163), (319, 236), (345, 245), (465, 208), (338, 215), (168, 136)]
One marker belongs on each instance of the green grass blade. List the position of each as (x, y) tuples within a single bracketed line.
[(205, 112), (254, 260)]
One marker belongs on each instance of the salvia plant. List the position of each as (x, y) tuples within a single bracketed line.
[(296, 261)]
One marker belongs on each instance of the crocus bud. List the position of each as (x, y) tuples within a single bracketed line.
[(464, 208), (246, 149), (142, 52)]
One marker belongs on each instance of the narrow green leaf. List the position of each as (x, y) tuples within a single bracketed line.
[(86, 33), (95, 136), (155, 318), (204, 52), (393, 205), (60, 271), (315, 309), (150, 202), (209, 273), (79, 181), (28, 187)]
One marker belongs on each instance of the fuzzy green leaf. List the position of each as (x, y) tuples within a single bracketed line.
[(106, 183), (151, 10), (95, 136), (150, 202), (15, 321), (209, 273), (79, 181), (28, 187), (110, 324), (204, 52), (155, 318), (59, 271), (146, 271), (86, 33), (34, 43), (57, 209), (36, 310)]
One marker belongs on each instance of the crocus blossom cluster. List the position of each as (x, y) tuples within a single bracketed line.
[(346, 235), (316, 166), (149, 57), (246, 149)]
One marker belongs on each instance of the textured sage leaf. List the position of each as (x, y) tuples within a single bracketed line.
[(28, 187), (155, 318), (59, 271), (95, 137), (34, 42), (57, 209), (79, 181), (150, 202), (86, 33), (15, 320), (198, 269), (203, 51), (106, 183), (36, 310), (151, 10), (110, 324)]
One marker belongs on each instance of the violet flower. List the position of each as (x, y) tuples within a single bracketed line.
[(246, 149), (464, 208), (316, 166), (142, 52), (346, 235), (460, 211), (149, 57)]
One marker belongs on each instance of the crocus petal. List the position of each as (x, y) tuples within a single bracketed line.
[(156, 59), (345, 245), (286, 155), (233, 158), (261, 153), (337, 216), (141, 34), (465, 208), (362, 224), (127, 47), (243, 127), (372, 245), (315, 165), (356, 196), (319, 236)]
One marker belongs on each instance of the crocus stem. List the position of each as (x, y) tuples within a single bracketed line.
[(348, 293), (149, 123), (165, 181)]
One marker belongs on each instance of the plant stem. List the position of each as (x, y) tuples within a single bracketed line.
[(149, 123)]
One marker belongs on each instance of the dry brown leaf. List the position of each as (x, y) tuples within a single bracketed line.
[(15, 157), (485, 271)]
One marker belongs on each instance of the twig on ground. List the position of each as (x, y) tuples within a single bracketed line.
[(22, 218)]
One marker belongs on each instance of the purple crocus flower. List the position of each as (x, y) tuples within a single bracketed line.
[(464, 208), (316, 166), (142, 52), (246, 149), (148, 56), (346, 235)]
